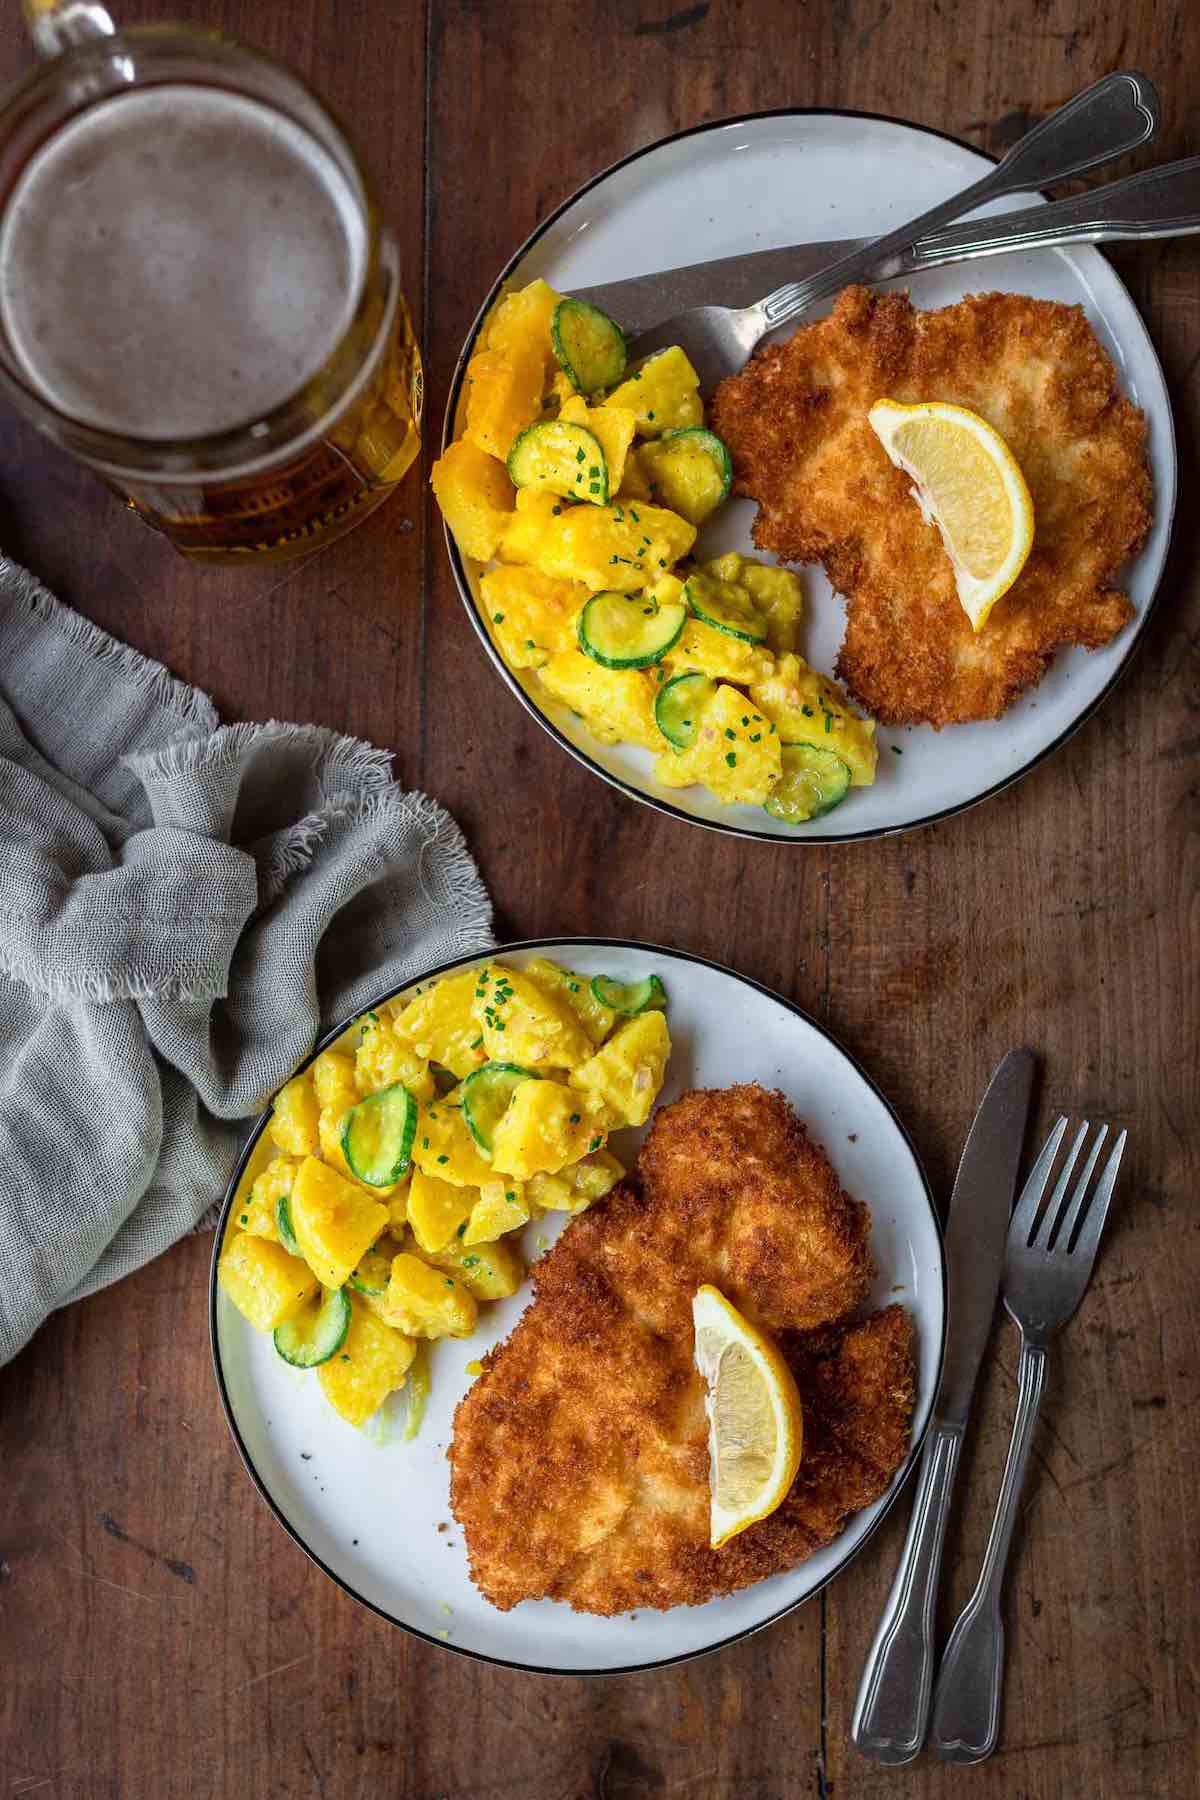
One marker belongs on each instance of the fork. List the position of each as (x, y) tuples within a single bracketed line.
[(1109, 118), (1048, 1264)]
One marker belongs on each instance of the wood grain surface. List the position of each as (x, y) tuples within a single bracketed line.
[(160, 1638)]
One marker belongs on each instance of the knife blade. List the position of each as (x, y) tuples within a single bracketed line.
[(645, 300), (892, 1708), (981, 1204)]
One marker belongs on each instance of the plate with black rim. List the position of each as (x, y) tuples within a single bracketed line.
[(761, 183), (373, 1511)]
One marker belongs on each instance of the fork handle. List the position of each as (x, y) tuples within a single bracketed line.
[(1111, 117), (966, 1706), (892, 1708)]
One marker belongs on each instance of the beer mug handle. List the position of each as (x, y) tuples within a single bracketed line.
[(58, 25)]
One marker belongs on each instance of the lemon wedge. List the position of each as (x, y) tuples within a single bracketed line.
[(968, 484), (755, 1420)]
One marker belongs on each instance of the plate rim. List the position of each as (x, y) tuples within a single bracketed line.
[(899, 1480), (667, 807)]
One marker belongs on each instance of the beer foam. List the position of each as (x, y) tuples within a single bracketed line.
[(178, 261)]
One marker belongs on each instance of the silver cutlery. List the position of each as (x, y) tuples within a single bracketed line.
[(1048, 1264), (892, 1708), (1111, 117), (1157, 203)]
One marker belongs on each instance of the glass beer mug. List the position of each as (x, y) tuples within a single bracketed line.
[(197, 296)]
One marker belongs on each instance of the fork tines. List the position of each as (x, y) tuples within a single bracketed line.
[(1071, 1222)]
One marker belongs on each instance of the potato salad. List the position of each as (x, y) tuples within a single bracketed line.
[(582, 483), (380, 1211)]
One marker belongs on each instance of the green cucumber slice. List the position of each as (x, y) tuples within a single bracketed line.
[(377, 1135), (317, 1333), (588, 344), (283, 1225), (485, 1096), (690, 469), (629, 631), (375, 1270), (726, 606), (679, 704), (566, 459), (629, 997), (813, 782)]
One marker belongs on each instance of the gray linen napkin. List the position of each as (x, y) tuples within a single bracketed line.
[(184, 907)]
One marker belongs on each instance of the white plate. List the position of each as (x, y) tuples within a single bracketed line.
[(788, 178), (369, 1515)]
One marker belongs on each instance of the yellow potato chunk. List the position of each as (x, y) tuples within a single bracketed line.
[(532, 616), (490, 1271), (701, 646), (439, 1025), (737, 761), (520, 322), (617, 705), (545, 1127), (635, 484), (476, 497), (807, 708), (664, 393), (614, 546), (596, 1018), (524, 1022), (257, 1216), (330, 1131), (425, 1302), (444, 1147), (295, 1117), (267, 1286), (335, 1221), (436, 1209), (501, 1207), (384, 1058), (612, 426), (333, 1079), (628, 1072), (536, 511), (397, 1202), (573, 1189), (371, 1364), (504, 394), (777, 594)]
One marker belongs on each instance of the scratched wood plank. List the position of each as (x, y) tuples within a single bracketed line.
[(166, 1638)]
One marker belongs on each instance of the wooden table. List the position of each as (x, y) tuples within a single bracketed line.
[(159, 1635)]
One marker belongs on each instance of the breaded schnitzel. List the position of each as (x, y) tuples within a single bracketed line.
[(580, 1455), (795, 421)]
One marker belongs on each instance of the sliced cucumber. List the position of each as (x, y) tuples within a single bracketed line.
[(629, 997), (679, 704), (377, 1135), (588, 344), (727, 606), (690, 470), (485, 1096), (813, 782), (562, 458), (283, 1225), (629, 631), (317, 1333), (375, 1270)]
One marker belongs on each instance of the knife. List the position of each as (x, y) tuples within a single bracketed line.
[(892, 1709)]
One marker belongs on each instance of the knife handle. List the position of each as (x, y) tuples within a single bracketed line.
[(892, 1708)]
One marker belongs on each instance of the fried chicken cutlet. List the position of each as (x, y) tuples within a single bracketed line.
[(580, 1455), (795, 422)]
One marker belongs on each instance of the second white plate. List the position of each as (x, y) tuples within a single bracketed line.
[(376, 1517)]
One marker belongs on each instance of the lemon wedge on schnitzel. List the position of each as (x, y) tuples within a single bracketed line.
[(969, 485), (755, 1420)]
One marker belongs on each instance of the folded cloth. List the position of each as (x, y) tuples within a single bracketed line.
[(184, 908)]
